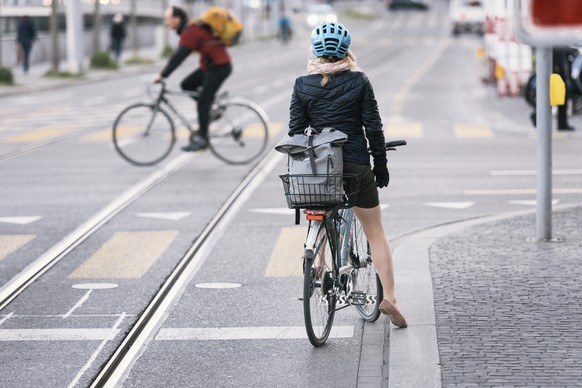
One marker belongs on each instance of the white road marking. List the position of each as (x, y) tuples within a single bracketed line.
[(94, 286), (111, 333), (533, 172), (532, 202), (217, 285), (450, 205), (6, 318), (574, 190), (173, 216), (68, 334), (20, 220), (78, 304), (245, 333), (277, 210)]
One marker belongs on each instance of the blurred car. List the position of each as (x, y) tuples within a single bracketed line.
[(411, 4), (319, 13), (467, 16)]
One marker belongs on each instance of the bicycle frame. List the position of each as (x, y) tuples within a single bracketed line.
[(343, 221)]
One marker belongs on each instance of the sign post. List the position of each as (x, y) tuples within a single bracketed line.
[(545, 24)]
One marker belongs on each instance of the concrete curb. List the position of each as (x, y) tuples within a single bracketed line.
[(413, 352), (93, 77)]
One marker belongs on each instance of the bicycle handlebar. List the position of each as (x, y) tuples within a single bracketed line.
[(391, 145), (395, 143)]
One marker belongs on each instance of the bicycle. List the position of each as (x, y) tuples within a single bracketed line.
[(338, 270), (144, 133)]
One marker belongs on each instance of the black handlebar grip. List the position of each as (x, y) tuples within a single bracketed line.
[(395, 143)]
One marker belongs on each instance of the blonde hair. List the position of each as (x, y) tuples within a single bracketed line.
[(350, 59)]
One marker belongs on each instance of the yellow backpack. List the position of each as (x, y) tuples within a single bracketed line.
[(224, 24)]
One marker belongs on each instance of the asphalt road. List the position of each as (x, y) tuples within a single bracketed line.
[(469, 154)]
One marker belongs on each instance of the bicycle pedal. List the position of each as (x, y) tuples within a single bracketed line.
[(357, 298)]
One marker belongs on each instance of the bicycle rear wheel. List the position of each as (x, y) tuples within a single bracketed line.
[(365, 279), (319, 297), (143, 134), (238, 133)]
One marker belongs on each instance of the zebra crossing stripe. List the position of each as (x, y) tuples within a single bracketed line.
[(10, 243), (286, 257), (41, 134), (126, 255), (473, 131)]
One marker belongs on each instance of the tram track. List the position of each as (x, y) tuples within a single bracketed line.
[(56, 253), (154, 314)]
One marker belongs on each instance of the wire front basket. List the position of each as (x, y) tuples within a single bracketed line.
[(320, 191)]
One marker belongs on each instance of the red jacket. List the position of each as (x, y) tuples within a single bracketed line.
[(194, 37), (212, 51)]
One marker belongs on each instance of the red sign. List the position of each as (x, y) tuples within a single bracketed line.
[(556, 13)]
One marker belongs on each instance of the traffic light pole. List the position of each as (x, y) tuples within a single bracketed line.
[(544, 144)]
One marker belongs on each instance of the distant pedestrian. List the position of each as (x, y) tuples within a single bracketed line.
[(25, 37), (117, 35), (562, 58)]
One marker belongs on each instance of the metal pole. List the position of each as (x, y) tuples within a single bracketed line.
[(74, 36), (544, 144)]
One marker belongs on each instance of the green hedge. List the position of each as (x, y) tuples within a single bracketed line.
[(102, 60), (6, 76)]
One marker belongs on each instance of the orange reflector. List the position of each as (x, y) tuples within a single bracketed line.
[(315, 215)]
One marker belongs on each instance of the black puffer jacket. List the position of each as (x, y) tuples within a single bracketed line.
[(346, 103)]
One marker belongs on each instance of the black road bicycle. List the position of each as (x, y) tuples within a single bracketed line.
[(145, 133)]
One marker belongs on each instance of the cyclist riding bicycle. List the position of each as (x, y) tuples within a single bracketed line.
[(335, 93), (215, 67)]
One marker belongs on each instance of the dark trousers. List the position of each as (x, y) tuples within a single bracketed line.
[(563, 115), (116, 46), (209, 82), (26, 47)]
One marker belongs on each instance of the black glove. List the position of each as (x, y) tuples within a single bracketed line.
[(382, 176)]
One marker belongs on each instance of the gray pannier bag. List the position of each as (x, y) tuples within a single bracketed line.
[(315, 166)]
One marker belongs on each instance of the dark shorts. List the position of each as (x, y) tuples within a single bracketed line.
[(367, 197)]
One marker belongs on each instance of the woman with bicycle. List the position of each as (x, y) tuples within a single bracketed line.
[(335, 93)]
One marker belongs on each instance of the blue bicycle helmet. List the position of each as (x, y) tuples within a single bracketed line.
[(330, 40)]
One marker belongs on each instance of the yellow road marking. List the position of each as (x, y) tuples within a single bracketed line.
[(126, 255), (41, 134), (31, 115), (407, 130), (473, 131), (520, 191), (129, 130), (10, 243), (286, 257), (182, 133), (104, 135), (555, 136)]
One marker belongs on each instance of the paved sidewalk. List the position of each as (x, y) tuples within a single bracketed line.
[(506, 311), (36, 81)]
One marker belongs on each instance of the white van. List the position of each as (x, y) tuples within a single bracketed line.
[(467, 16)]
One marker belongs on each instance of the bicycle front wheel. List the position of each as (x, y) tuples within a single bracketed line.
[(365, 279), (143, 134), (319, 296), (238, 133)]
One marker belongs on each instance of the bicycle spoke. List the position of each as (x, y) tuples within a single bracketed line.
[(319, 296), (238, 134), (142, 135)]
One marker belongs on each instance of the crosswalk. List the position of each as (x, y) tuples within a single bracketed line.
[(394, 128), (130, 254)]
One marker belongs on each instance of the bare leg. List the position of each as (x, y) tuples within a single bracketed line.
[(371, 220)]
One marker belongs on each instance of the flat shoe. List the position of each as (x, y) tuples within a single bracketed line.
[(393, 313)]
